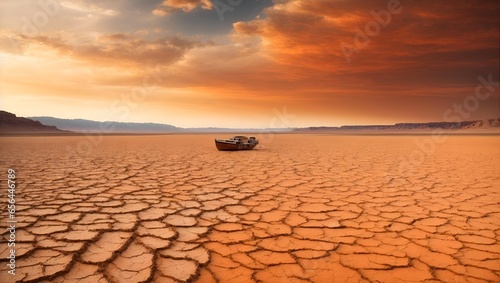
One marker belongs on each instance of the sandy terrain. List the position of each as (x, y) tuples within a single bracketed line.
[(303, 208)]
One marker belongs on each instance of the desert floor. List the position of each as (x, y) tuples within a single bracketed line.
[(302, 208)]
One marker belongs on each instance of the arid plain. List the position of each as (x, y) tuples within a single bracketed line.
[(302, 208)]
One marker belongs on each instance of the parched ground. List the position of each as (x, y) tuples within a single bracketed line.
[(303, 208)]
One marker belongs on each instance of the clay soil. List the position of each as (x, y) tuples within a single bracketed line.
[(302, 208)]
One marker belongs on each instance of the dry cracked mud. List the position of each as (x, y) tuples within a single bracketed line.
[(303, 208)]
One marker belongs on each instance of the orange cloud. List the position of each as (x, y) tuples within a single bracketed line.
[(312, 33), (168, 6), (162, 11)]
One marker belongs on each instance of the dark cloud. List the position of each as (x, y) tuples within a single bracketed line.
[(425, 35)]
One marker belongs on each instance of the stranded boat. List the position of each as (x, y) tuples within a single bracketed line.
[(236, 143)]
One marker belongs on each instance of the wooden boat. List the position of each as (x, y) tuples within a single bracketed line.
[(236, 143)]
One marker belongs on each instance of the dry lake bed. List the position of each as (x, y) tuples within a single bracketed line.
[(302, 208)]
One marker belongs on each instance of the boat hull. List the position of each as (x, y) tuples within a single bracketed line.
[(229, 146)]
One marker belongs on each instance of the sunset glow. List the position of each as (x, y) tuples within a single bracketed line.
[(190, 63)]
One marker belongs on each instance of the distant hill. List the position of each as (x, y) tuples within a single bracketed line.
[(81, 125), (465, 125), (10, 123), (236, 130), (491, 123)]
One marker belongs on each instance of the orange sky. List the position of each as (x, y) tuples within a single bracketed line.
[(264, 63)]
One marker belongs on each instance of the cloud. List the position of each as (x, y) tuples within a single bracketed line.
[(85, 6), (312, 33), (430, 54), (118, 49), (169, 6), (162, 11)]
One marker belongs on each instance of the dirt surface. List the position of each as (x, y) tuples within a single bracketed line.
[(303, 208)]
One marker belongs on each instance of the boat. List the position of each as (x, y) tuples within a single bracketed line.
[(236, 143)]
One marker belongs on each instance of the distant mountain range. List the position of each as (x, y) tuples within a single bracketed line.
[(81, 125), (10, 123), (464, 125)]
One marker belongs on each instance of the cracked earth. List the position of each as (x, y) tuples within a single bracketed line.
[(303, 208)]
